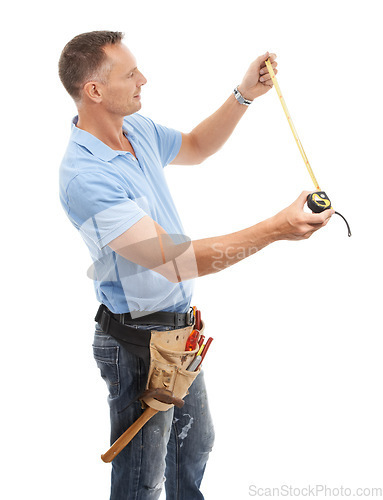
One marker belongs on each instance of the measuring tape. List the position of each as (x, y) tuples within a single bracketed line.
[(318, 201)]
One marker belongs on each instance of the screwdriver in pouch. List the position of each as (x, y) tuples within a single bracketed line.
[(200, 356), (198, 319), (192, 341)]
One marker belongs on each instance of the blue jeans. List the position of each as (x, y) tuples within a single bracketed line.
[(173, 444)]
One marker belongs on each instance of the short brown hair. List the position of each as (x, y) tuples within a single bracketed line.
[(83, 57)]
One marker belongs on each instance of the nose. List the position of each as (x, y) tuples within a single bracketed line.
[(141, 80)]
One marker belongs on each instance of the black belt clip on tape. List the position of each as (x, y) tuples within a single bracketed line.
[(319, 202)]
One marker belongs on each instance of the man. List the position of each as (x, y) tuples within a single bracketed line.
[(113, 189)]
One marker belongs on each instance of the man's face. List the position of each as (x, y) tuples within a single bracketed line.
[(121, 92)]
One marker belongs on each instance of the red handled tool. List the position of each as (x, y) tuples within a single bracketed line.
[(206, 347), (192, 340), (197, 324)]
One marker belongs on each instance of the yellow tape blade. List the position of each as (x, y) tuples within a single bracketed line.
[(299, 144)]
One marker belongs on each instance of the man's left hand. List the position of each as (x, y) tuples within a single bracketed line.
[(257, 80)]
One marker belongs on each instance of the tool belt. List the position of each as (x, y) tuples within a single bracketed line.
[(163, 354)]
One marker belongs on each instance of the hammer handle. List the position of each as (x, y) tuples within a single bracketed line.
[(128, 435)]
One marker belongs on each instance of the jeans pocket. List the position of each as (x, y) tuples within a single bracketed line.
[(107, 361)]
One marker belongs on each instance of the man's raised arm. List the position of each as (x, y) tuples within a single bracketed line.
[(211, 134)]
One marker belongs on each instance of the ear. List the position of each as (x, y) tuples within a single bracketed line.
[(92, 90)]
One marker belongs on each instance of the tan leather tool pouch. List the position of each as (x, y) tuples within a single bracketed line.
[(168, 363)]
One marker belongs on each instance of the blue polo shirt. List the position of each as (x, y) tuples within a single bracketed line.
[(104, 192)]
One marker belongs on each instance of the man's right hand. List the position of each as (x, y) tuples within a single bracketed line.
[(293, 223)]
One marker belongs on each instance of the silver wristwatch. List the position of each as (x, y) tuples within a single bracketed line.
[(240, 98)]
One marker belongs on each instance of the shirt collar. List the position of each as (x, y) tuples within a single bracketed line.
[(94, 145)]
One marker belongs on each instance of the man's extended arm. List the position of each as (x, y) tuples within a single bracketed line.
[(211, 134), (147, 244)]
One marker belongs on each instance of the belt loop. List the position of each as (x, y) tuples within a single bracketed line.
[(122, 318), (177, 319)]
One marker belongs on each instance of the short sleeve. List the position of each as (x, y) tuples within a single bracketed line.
[(101, 208), (169, 143)]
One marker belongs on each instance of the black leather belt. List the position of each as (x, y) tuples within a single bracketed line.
[(165, 318)]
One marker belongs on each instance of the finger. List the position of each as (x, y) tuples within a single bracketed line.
[(308, 234), (302, 198), (319, 219), (265, 70), (266, 78), (318, 226), (312, 228), (261, 59), (270, 55), (326, 221)]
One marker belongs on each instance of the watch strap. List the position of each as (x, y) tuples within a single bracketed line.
[(240, 98)]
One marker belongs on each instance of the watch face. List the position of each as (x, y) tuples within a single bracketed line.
[(240, 98)]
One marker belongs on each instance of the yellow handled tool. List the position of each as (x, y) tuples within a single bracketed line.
[(319, 201)]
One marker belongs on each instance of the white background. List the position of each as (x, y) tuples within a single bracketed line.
[(295, 369)]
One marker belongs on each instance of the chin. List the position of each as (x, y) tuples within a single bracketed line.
[(133, 109)]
